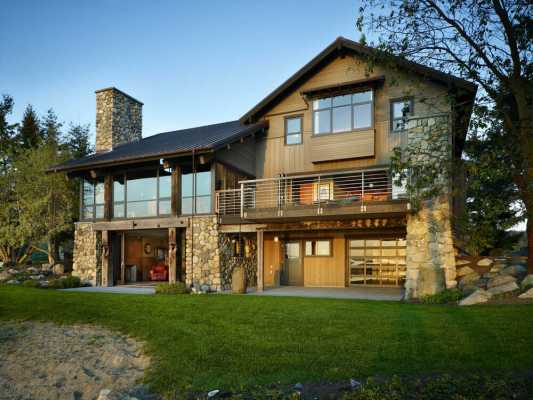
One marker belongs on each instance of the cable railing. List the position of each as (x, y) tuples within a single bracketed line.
[(314, 192)]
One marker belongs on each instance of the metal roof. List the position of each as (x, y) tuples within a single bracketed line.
[(166, 144)]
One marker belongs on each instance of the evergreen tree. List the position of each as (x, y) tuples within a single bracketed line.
[(30, 134), (77, 141), (51, 128), (7, 133)]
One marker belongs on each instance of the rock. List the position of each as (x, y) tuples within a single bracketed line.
[(105, 394), (46, 267), (478, 297), (59, 269), (469, 280), (527, 295), (527, 282), (506, 288), (213, 393), (39, 277), (464, 271), (12, 271), (514, 270), (4, 276), (461, 262), (500, 280), (355, 384), (13, 282), (32, 270), (485, 262)]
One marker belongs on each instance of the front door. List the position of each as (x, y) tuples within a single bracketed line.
[(292, 272)]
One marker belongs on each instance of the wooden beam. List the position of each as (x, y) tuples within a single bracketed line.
[(176, 191), (260, 257), (147, 223), (107, 273), (172, 255), (108, 196)]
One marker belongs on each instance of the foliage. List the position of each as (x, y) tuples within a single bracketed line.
[(488, 42), (7, 133), (31, 283), (29, 135), (447, 296), (263, 339), (77, 141), (172, 288), (65, 283)]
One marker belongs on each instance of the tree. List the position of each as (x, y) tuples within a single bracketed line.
[(29, 134), (51, 128), (77, 141), (7, 133), (486, 41)]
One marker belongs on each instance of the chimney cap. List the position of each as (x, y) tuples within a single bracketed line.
[(119, 91)]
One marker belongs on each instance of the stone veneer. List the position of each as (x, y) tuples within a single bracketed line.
[(87, 251), (430, 252), (228, 262), (202, 255), (118, 119)]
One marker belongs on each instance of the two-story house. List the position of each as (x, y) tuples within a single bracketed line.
[(298, 190)]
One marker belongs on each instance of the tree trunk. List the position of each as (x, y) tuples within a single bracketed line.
[(529, 231), (51, 252)]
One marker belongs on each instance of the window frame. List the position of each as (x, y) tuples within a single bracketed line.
[(352, 105), (411, 101), (94, 204), (313, 247), (194, 196), (300, 134)]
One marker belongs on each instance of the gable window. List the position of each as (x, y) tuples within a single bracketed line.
[(400, 110), (343, 113), (92, 199), (318, 248), (293, 130)]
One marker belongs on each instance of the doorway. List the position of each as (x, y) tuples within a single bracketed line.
[(292, 269)]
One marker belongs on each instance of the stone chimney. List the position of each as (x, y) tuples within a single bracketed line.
[(118, 119)]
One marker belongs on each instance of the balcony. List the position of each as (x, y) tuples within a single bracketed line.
[(321, 195)]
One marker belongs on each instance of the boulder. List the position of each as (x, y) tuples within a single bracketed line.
[(12, 271), (478, 297), (32, 270), (13, 282), (469, 280), (527, 295), (59, 269), (506, 288), (485, 262), (464, 271), (461, 262), (500, 280), (46, 267), (527, 282), (514, 270), (5, 275)]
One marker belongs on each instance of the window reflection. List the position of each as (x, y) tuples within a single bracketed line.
[(201, 201)]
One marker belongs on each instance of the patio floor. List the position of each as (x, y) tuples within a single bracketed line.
[(354, 293)]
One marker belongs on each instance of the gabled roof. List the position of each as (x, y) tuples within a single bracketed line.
[(166, 144), (341, 46)]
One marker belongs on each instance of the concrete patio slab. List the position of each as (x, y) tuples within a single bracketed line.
[(359, 293)]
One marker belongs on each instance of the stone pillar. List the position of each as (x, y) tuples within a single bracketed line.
[(107, 272), (202, 258), (87, 253), (118, 119)]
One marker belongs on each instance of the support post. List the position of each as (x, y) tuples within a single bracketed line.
[(106, 271), (175, 201), (108, 197), (172, 255), (260, 274), (122, 258)]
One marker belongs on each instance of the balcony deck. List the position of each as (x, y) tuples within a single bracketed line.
[(318, 196)]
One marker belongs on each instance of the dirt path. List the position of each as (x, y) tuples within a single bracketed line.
[(47, 361)]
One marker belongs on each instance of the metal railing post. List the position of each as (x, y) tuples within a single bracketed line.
[(242, 200), (362, 190)]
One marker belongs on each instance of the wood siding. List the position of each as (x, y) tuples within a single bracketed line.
[(327, 271), (240, 156), (274, 157)]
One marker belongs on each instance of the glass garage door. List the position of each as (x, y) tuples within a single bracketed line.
[(378, 262)]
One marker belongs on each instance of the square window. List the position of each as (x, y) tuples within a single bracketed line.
[(322, 121), (400, 111), (321, 248), (342, 120), (362, 116)]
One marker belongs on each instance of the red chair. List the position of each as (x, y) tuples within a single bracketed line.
[(159, 272)]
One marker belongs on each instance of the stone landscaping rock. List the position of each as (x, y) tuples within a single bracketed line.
[(478, 297), (46, 267), (464, 271), (500, 280), (5, 275), (59, 269), (527, 282), (461, 262), (506, 288), (485, 262), (514, 270), (12, 271), (13, 282), (527, 295), (32, 270), (469, 280)]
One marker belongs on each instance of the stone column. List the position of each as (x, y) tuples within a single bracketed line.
[(87, 244)]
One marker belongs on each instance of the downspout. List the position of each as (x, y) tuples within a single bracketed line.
[(193, 210)]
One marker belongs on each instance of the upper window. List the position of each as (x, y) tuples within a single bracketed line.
[(92, 205), (196, 191), (293, 130), (400, 110), (343, 113), (318, 248)]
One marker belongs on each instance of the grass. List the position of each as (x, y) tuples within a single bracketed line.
[(202, 342)]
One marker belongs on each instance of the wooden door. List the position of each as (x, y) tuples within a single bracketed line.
[(292, 273)]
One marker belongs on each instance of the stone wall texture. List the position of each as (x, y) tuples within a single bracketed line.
[(228, 262), (202, 255), (118, 119), (87, 252), (430, 251)]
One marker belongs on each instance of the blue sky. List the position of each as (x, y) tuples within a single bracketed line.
[(191, 63)]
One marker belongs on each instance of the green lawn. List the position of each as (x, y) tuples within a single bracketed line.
[(203, 342)]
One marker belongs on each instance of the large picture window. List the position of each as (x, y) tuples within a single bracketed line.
[(92, 199), (343, 113), (142, 194), (196, 192)]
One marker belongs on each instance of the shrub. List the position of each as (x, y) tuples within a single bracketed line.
[(445, 297), (172, 288), (31, 283), (65, 283)]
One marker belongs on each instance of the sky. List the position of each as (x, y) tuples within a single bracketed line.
[(190, 62)]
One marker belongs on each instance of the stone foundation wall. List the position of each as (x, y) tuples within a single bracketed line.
[(202, 258), (87, 251), (228, 262)]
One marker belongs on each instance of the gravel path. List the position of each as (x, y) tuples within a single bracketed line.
[(47, 361)]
